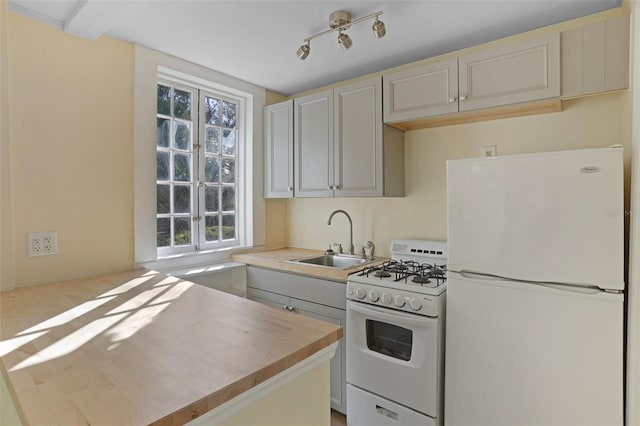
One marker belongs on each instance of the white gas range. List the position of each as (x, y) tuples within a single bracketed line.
[(395, 337)]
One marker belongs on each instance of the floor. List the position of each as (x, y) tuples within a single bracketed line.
[(338, 419)]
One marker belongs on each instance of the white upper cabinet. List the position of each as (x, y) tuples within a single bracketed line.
[(421, 91), (595, 58), (341, 148), (524, 71), (313, 144), (357, 156), (278, 152)]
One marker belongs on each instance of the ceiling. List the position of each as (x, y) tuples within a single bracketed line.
[(257, 41)]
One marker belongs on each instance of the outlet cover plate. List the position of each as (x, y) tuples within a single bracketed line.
[(489, 151), (42, 243)]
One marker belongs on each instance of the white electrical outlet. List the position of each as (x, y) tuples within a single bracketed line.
[(50, 242), (42, 243), (489, 151)]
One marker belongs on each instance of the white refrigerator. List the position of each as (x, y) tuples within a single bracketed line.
[(534, 322)]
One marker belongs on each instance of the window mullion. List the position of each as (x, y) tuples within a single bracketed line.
[(199, 190)]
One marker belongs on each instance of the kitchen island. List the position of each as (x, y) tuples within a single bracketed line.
[(141, 347)]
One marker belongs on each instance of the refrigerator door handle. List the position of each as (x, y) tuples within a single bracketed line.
[(568, 288)]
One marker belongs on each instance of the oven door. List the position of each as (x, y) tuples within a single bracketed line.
[(396, 355)]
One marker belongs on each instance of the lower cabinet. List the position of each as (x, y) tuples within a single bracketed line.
[(261, 284)]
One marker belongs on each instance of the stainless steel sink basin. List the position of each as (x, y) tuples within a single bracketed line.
[(333, 261)]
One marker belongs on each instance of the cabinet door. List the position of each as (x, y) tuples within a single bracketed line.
[(595, 58), (421, 91), (358, 139), (339, 361), (278, 141), (272, 299), (313, 145), (517, 72)]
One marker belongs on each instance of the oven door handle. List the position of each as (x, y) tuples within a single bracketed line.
[(390, 315)]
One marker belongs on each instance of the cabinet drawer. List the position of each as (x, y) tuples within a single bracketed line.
[(330, 293)]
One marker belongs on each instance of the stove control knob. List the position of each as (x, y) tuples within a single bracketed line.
[(415, 304), (386, 298), (373, 296), (399, 301), (360, 293)]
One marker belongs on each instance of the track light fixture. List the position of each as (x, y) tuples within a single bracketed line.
[(340, 21)]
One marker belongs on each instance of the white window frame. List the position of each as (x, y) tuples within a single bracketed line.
[(149, 64), (197, 172)]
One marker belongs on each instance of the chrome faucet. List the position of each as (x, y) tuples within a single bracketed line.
[(351, 250)]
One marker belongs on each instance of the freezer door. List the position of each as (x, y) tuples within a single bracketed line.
[(556, 216), (525, 354)]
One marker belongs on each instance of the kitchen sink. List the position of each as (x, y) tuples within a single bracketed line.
[(334, 261)]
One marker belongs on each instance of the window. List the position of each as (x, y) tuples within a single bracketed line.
[(198, 146)]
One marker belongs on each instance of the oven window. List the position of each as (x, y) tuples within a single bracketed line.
[(389, 339)]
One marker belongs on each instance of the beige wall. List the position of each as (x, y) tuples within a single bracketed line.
[(6, 249), (597, 121), (71, 135), (276, 230)]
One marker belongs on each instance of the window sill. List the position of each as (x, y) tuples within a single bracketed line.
[(186, 260)]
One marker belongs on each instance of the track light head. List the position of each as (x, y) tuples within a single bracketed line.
[(378, 28), (303, 51), (344, 41)]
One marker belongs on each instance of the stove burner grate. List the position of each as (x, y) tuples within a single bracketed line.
[(423, 274)]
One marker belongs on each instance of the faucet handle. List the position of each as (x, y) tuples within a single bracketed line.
[(339, 245), (329, 251), (371, 247)]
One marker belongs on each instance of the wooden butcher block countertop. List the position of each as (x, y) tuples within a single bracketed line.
[(280, 259), (142, 348)]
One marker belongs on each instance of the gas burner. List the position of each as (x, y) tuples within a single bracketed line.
[(382, 273), (421, 279)]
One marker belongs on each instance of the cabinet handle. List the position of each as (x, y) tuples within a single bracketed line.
[(289, 188), (285, 308), (452, 100), (463, 98)]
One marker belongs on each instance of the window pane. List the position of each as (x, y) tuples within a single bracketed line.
[(212, 140), (164, 232), (163, 199), (182, 199), (229, 114), (212, 111), (162, 165), (182, 104), (163, 133), (212, 169), (212, 230), (228, 226), (211, 199), (181, 167), (182, 230), (228, 170), (228, 142), (182, 135), (164, 100), (228, 198)]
